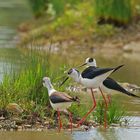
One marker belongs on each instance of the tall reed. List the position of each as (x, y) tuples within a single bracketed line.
[(117, 10), (115, 113), (25, 87)]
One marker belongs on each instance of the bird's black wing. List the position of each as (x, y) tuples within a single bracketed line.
[(92, 72), (59, 97), (112, 84)]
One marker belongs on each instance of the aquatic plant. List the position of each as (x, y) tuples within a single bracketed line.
[(113, 11), (25, 87), (80, 18), (115, 112), (58, 6), (38, 7)]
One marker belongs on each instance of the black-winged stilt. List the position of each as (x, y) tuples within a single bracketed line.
[(108, 84), (59, 101), (91, 79)]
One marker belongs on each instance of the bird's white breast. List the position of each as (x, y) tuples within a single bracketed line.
[(96, 81)]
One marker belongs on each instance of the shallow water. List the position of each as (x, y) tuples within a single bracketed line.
[(11, 14), (131, 132), (28, 135)]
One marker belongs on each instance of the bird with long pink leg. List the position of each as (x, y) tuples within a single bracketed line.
[(108, 85), (59, 101), (92, 79)]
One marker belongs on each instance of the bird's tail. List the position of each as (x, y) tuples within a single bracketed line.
[(130, 94), (123, 90), (118, 67), (112, 84)]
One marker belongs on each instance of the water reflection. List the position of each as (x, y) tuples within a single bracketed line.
[(11, 15), (6, 37), (89, 135), (115, 133), (10, 60)]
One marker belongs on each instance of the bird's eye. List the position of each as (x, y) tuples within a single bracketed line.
[(90, 60)]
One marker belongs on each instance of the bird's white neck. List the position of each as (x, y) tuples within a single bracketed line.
[(51, 91), (50, 88)]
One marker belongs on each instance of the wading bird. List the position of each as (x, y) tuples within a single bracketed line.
[(91, 79), (59, 101), (108, 84)]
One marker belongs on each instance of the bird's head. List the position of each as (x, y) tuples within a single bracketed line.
[(89, 62), (73, 73)]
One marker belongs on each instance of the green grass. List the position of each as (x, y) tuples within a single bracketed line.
[(38, 7), (25, 87), (58, 6), (80, 19), (115, 113), (118, 10)]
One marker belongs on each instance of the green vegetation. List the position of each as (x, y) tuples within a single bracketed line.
[(58, 6), (119, 11), (25, 87), (115, 113), (78, 19), (38, 7)]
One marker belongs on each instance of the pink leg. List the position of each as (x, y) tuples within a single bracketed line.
[(59, 119), (94, 105), (109, 99), (70, 119), (105, 116)]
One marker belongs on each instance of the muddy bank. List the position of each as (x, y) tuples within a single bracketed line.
[(17, 119), (18, 124), (102, 39), (36, 123)]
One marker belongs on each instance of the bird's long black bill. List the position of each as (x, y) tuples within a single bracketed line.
[(64, 81), (81, 65), (118, 68)]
